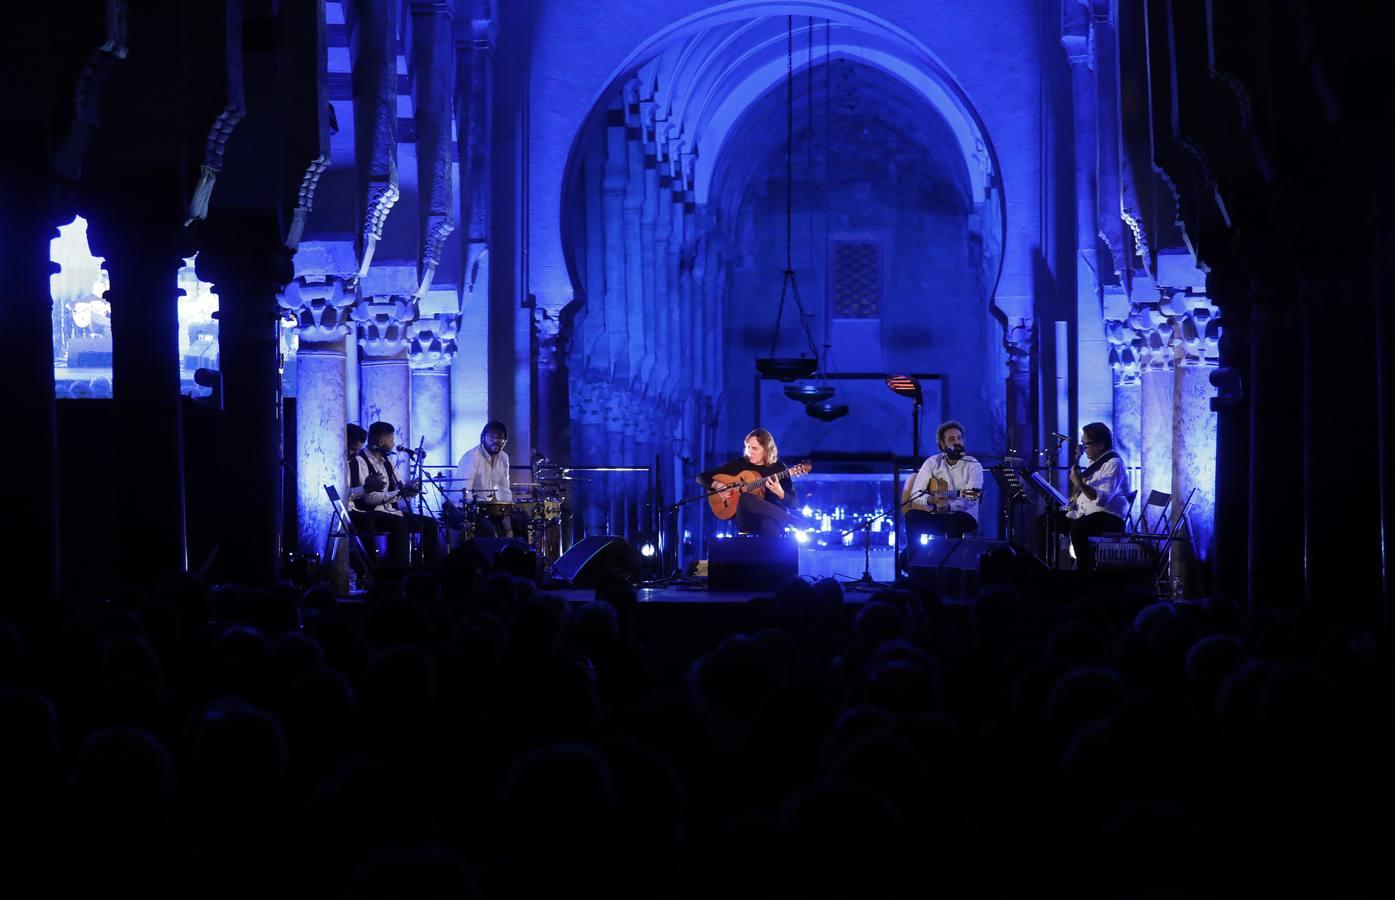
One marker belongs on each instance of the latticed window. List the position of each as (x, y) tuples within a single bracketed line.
[(857, 279)]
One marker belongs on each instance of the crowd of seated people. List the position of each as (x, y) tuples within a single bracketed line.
[(495, 741)]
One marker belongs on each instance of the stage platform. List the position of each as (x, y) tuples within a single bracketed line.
[(696, 594)]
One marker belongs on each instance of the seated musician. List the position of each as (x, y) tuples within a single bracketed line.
[(1099, 495), (766, 515), (945, 493), (379, 499), (483, 477)]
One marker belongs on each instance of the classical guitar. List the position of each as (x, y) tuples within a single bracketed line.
[(938, 493), (748, 481)]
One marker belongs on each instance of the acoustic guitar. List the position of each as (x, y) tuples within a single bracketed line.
[(748, 481), (938, 494)]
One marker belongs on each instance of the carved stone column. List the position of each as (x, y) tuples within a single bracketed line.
[(385, 387), (247, 275), (144, 259), (1093, 396), (321, 307), (554, 417), (26, 365), (430, 351), (1157, 364), (1018, 343), (474, 93), (1125, 352), (1194, 422)]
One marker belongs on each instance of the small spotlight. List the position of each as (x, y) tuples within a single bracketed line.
[(801, 537), (646, 550), (924, 539)]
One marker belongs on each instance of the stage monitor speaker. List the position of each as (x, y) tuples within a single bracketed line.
[(483, 553), (751, 563), (950, 566), (598, 558)]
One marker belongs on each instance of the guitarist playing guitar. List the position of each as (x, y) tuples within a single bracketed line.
[(945, 493), (756, 488)]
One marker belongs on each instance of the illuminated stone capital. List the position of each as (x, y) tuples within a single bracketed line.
[(1018, 343), (431, 342), (321, 308), (382, 324), (1157, 337)]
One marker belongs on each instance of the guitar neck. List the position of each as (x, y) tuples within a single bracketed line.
[(791, 473)]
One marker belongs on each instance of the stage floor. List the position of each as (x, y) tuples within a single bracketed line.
[(698, 594)]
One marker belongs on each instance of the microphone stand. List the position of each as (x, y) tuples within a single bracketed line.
[(420, 477), (866, 581)]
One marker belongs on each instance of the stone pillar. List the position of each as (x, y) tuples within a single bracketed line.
[(1125, 349), (26, 366), (474, 92), (1093, 394), (1128, 406), (247, 275), (1276, 554), (1155, 416), (641, 353), (1230, 287), (144, 259), (321, 310), (384, 379), (1194, 426), (554, 418), (1021, 419), (430, 352)]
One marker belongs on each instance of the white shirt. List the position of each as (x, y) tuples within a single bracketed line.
[(1111, 484), (482, 477), (965, 474), (361, 466)]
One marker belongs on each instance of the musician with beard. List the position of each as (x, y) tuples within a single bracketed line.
[(945, 494), (380, 499)]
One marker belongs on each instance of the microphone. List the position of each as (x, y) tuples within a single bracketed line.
[(1060, 437), (410, 452)]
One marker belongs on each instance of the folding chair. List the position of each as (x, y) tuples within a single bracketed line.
[(1159, 501), (342, 529)]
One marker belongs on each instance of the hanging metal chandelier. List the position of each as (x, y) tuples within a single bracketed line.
[(789, 368)]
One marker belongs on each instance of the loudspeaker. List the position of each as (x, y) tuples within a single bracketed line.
[(482, 553), (751, 563), (955, 567), (598, 558)]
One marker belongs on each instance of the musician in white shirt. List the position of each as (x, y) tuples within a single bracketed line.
[(1099, 493), (483, 475), (951, 509)]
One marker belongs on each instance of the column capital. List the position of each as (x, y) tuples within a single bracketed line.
[(1125, 352), (1157, 336), (431, 342), (320, 306), (382, 324), (1199, 332), (1018, 343), (226, 258), (553, 338)]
